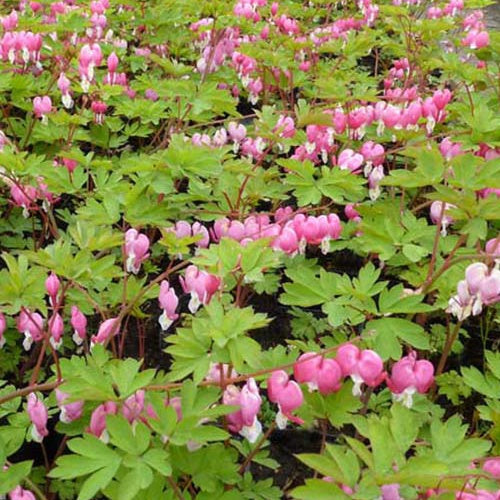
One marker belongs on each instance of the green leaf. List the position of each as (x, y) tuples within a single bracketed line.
[(347, 463), (493, 360), (207, 433), (395, 300), (326, 466), (13, 476), (245, 352), (361, 451), (384, 449), (414, 253), (318, 489), (446, 436), (387, 331), (158, 459), (73, 466), (97, 481), (484, 384), (475, 229), (307, 289), (121, 435), (341, 405), (404, 426), (422, 471), (135, 481)]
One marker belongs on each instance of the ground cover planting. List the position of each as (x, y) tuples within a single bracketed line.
[(249, 250)]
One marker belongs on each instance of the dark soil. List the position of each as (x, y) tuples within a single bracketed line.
[(285, 445)]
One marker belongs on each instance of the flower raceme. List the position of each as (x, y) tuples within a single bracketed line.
[(492, 467), (285, 233), (316, 230), (21, 47), (364, 366), (26, 196)]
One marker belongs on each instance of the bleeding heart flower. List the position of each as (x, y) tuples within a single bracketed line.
[(318, 373), (168, 302), (39, 416), (287, 394), (409, 376), (244, 421), (363, 366)]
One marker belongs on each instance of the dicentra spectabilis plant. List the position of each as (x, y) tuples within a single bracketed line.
[(236, 236)]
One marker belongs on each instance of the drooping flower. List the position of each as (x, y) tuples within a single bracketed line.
[(390, 492), (363, 366), (409, 376), (133, 406), (136, 250), (79, 324), (56, 330), (52, 285), (63, 84), (492, 467), (244, 421), (19, 493), (480, 287), (439, 211), (168, 302), (492, 247), (39, 416), (97, 425), (99, 108), (69, 411), (31, 324), (42, 106), (201, 285), (287, 394), (108, 329), (318, 372), (349, 160)]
